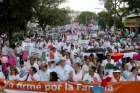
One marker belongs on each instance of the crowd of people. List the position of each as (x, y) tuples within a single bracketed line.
[(38, 58)]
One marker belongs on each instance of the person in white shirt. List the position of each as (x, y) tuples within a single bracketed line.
[(64, 71), (13, 74), (77, 49), (133, 76), (44, 72), (107, 44), (116, 76), (51, 64), (138, 75), (92, 76), (77, 74), (108, 64), (33, 75), (32, 63), (87, 64), (132, 63)]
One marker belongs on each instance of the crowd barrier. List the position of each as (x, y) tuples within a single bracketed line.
[(70, 87)]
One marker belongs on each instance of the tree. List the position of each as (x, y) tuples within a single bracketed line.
[(48, 13), (14, 15), (105, 20), (117, 9), (86, 17), (134, 5)]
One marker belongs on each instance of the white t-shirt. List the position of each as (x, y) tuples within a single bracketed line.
[(63, 72), (77, 76), (89, 78), (44, 76), (105, 62), (35, 76), (28, 65), (85, 68), (68, 62), (107, 44), (129, 66), (13, 77)]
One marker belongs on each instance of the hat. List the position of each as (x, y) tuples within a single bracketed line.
[(78, 62), (4, 59), (116, 71)]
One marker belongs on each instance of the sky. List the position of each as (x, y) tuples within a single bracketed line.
[(84, 5)]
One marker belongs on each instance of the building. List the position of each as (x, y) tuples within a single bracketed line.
[(132, 22)]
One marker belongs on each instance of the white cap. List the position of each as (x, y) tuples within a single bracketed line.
[(117, 71)]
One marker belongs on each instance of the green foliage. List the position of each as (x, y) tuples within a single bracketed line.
[(14, 15), (48, 13), (105, 19), (134, 5), (117, 8), (86, 17)]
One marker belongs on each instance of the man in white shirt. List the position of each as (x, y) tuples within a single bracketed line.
[(44, 72), (64, 71), (131, 64), (116, 76), (108, 64), (92, 76)]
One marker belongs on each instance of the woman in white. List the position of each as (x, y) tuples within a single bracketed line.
[(64, 71), (13, 74), (32, 63), (77, 74), (33, 75), (92, 76), (44, 72)]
